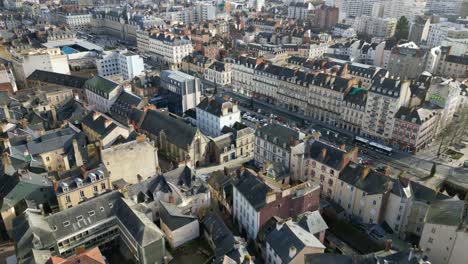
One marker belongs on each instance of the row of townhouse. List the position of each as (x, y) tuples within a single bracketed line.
[(352, 96)]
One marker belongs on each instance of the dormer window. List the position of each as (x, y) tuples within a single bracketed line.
[(66, 223)]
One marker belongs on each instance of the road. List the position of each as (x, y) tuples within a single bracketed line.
[(413, 166)]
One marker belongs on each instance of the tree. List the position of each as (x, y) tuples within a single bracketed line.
[(402, 29)]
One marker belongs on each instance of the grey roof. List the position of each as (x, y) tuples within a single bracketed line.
[(420, 114), (448, 212), (338, 259), (253, 189), (387, 87), (51, 141), (405, 188), (333, 156), (213, 105), (219, 233), (372, 183), (176, 130), (278, 135), (57, 78), (218, 66), (98, 125), (312, 222), (101, 85), (291, 235), (173, 217), (121, 108)]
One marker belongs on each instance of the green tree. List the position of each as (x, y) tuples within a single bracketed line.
[(402, 28)]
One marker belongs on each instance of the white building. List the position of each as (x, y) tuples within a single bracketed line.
[(26, 62), (384, 98), (165, 48), (398, 8), (178, 226), (184, 90), (204, 11), (443, 7), (440, 31), (446, 94), (124, 63), (219, 73), (101, 93), (299, 10), (317, 50), (375, 27), (444, 237), (215, 113), (75, 20), (357, 8)]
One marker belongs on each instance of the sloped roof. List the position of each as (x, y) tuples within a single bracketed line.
[(372, 183), (57, 78), (253, 189), (333, 156), (173, 217)]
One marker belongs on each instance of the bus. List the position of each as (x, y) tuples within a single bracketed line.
[(381, 148)]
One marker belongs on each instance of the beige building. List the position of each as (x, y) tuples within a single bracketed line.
[(72, 191), (132, 162), (316, 161), (362, 192), (444, 238), (102, 129), (57, 96)]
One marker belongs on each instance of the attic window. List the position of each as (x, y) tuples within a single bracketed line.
[(79, 218), (54, 228), (111, 205), (66, 223), (91, 213), (102, 209)]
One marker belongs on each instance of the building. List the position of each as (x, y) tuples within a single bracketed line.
[(440, 31), (362, 192), (7, 79), (255, 202), (184, 91), (377, 27), (453, 66), (439, 7), (81, 186), (101, 129), (116, 160), (444, 236), (218, 73), (214, 113), (124, 105), (165, 48), (74, 20), (41, 78), (326, 17), (242, 74), (288, 242), (407, 206), (419, 30), (108, 221), (122, 63), (179, 227), (384, 98), (407, 61), (25, 62), (353, 110), (356, 8), (176, 140), (316, 161), (101, 93), (92, 255), (415, 128), (273, 143), (299, 10)]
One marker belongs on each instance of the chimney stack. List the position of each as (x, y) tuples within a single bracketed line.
[(292, 252), (388, 245), (323, 154), (365, 172), (107, 122), (342, 147), (78, 158), (96, 115)]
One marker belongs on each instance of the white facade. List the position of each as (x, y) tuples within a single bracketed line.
[(219, 73), (245, 214), (443, 7), (376, 27), (357, 8), (74, 20), (212, 116), (182, 235), (124, 63), (164, 47), (317, 50), (439, 32), (446, 94), (398, 8)]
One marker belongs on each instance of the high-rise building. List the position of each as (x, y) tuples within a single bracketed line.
[(443, 7), (124, 63)]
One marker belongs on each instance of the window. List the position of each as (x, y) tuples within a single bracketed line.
[(433, 230), (95, 189), (67, 199), (79, 218), (374, 202), (82, 194), (91, 213), (430, 240), (103, 186), (66, 223)]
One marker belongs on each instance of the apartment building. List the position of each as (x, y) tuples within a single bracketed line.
[(415, 127), (319, 162), (300, 10), (122, 63), (74, 20), (440, 7), (384, 98), (101, 93), (184, 91), (353, 110), (255, 202), (102, 130), (453, 66), (82, 186), (375, 26), (362, 192), (444, 236), (273, 143), (25, 62), (438, 32), (407, 61), (7, 80), (356, 8), (219, 73), (446, 94), (242, 74), (109, 221), (165, 48), (214, 113), (326, 17)]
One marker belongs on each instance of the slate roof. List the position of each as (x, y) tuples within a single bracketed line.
[(219, 233), (98, 125), (57, 78), (419, 114), (448, 212), (173, 217), (387, 87), (278, 135), (457, 59), (176, 130), (121, 108), (338, 259), (291, 235), (253, 189), (101, 85), (356, 96), (218, 66), (333, 156), (312, 222), (212, 105), (51, 141), (375, 182)]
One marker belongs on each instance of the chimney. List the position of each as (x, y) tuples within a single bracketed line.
[(388, 245), (365, 172), (78, 158), (96, 115), (292, 252), (41, 207), (316, 136), (342, 146), (54, 114), (323, 154), (388, 170), (141, 138), (107, 122), (279, 225)]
